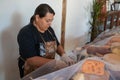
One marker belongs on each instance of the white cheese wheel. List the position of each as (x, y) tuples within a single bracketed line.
[(78, 76)]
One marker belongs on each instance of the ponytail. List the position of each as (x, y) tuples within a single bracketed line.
[(32, 19)]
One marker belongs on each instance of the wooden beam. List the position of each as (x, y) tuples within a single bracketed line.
[(64, 4)]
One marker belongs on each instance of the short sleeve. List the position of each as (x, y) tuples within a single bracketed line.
[(26, 44)]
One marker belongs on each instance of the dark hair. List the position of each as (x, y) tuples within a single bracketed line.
[(42, 10)]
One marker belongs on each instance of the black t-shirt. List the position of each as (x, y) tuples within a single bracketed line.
[(29, 40)]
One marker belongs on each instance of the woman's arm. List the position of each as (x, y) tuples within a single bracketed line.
[(37, 61), (60, 50)]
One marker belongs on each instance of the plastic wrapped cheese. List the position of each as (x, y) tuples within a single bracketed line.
[(93, 67), (113, 61), (78, 76), (112, 58), (98, 49), (116, 50)]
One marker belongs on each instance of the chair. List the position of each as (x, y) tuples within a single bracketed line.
[(115, 6), (112, 19)]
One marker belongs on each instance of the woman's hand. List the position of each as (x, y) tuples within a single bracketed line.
[(67, 60)]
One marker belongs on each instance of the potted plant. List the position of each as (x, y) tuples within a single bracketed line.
[(97, 17)]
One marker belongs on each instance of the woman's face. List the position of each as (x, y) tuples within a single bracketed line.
[(44, 22)]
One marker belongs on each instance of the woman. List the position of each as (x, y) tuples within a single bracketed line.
[(38, 42)]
